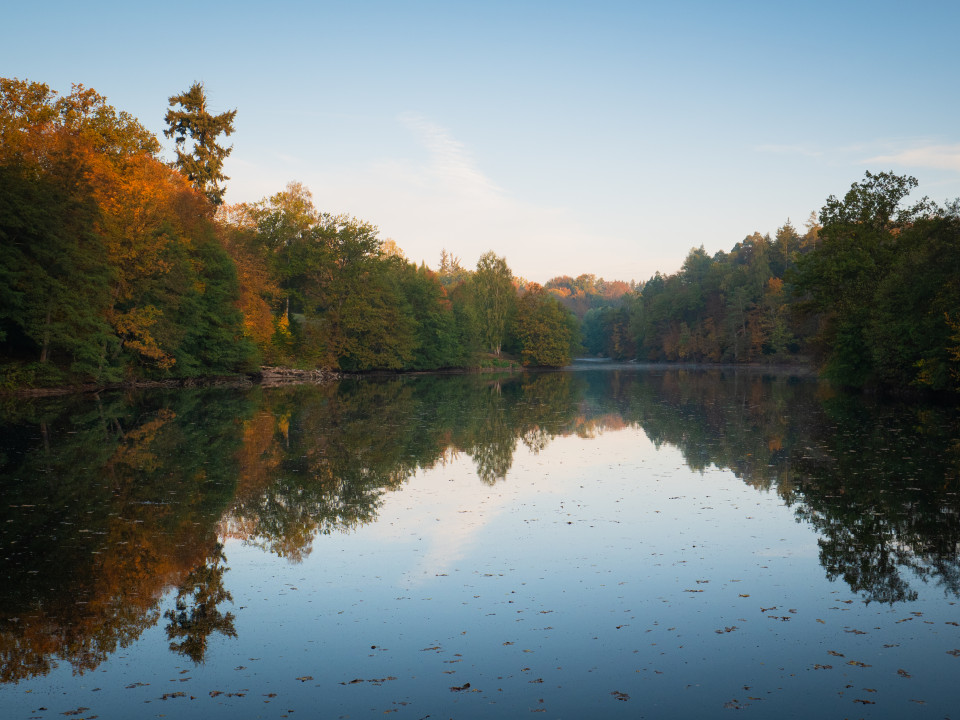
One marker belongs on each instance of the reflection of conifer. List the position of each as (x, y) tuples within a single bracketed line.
[(197, 616)]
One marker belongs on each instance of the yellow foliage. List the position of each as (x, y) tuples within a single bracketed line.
[(134, 326)]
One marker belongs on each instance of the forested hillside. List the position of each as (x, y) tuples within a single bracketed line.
[(869, 293), (116, 266)]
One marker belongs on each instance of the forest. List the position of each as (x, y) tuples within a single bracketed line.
[(118, 267)]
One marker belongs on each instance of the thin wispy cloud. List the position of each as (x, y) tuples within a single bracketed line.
[(943, 157), (450, 160)]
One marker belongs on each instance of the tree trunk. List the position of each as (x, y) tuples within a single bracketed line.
[(44, 351)]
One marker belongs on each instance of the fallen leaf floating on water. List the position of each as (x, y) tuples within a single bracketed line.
[(903, 673), (620, 695), (864, 702), (955, 653), (372, 681), (458, 688), (818, 666), (304, 678), (834, 653), (857, 663)]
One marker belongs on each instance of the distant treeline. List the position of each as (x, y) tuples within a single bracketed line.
[(115, 266), (870, 293)]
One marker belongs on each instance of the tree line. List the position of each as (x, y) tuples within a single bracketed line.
[(869, 293), (325, 290), (116, 266)]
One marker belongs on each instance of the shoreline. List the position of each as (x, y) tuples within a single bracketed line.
[(274, 376)]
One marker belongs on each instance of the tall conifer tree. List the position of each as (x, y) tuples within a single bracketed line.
[(203, 162)]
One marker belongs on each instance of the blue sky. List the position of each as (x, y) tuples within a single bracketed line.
[(569, 137)]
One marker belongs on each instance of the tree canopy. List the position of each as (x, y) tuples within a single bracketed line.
[(114, 266)]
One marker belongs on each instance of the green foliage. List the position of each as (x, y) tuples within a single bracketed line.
[(728, 308), (437, 342), (202, 163), (495, 300), (112, 267), (606, 332), (547, 333), (109, 265), (882, 283), (588, 292), (55, 273)]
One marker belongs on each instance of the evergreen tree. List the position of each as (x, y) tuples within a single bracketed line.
[(203, 163)]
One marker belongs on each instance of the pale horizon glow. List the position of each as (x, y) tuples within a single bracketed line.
[(607, 138)]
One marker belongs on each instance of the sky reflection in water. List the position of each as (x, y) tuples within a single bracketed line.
[(591, 573)]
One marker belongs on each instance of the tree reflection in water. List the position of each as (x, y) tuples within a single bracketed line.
[(112, 502), (197, 614)]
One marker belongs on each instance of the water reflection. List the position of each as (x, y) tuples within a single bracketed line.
[(197, 615), (111, 502)]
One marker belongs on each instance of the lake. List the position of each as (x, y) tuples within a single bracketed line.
[(607, 541)]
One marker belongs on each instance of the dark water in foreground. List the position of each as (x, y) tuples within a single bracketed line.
[(596, 543)]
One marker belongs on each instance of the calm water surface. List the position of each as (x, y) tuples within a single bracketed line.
[(593, 543)]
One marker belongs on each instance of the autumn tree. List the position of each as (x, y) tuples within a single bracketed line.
[(109, 260), (202, 160)]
